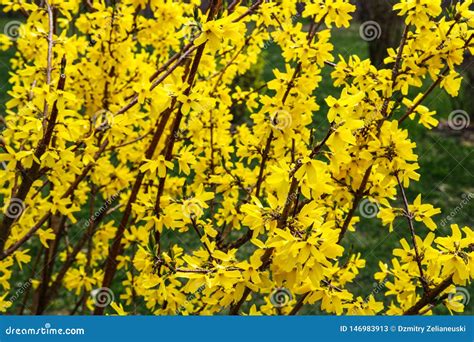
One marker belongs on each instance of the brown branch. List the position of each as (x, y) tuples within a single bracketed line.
[(49, 57), (49, 66), (361, 190), (170, 61), (50, 254), (409, 217), (117, 248), (45, 217), (186, 51), (71, 258), (299, 304), (250, 11), (265, 156), (233, 5), (396, 68), (412, 109), (429, 297), (33, 173), (196, 229), (357, 198), (185, 270), (129, 142), (173, 68), (234, 310)]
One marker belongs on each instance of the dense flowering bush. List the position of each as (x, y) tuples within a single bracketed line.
[(128, 172)]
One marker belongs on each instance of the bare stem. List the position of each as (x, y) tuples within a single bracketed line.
[(409, 217)]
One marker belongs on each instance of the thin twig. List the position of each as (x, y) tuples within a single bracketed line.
[(429, 297), (409, 217)]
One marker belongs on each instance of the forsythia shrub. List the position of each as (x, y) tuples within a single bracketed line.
[(124, 169)]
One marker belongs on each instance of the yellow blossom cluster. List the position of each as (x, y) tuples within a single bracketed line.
[(127, 166)]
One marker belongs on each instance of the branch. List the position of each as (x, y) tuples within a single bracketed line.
[(409, 217), (251, 9), (412, 109), (429, 297), (30, 175), (44, 218), (49, 58), (117, 248), (50, 43), (299, 304), (234, 310), (357, 198)]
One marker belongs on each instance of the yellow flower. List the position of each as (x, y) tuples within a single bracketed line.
[(4, 304), (118, 309), (452, 83), (45, 235), (423, 212), (453, 256), (157, 166)]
